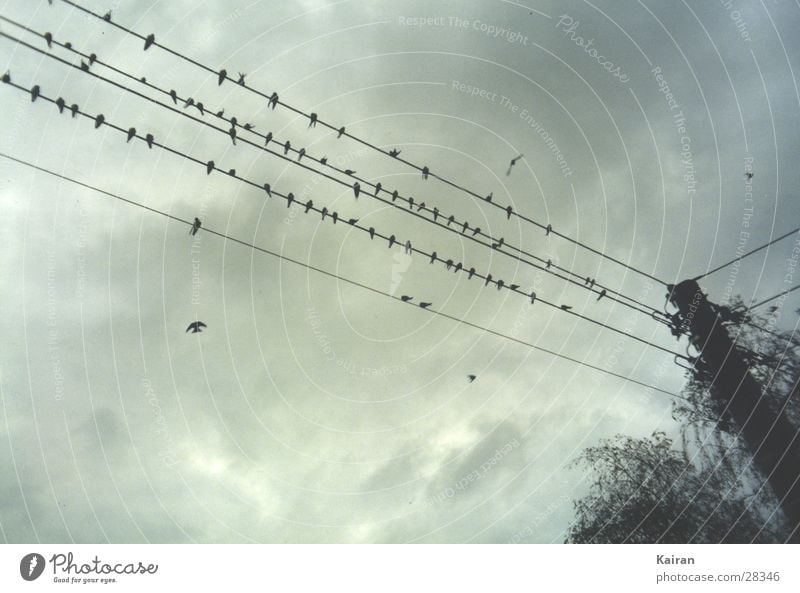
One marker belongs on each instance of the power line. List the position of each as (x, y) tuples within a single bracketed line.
[(601, 291), (757, 249), (772, 298), (333, 275), (340, 130), (149, 138)]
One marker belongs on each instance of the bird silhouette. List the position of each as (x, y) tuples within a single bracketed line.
[(232, 134), (268, 189), (323, 160), (289, 199), (84, 66), (335, 217), (107, 17), (324, 212), (410, 203), (349, 172), (425, 305), (7, 77), (450, 219), (267, 138), (514, 287), (60, 104), (232, 172), (200, 108), (74, 109), (301, 153), (92, 58), (356, 189), (48, 37), (421, 207), (425, 172), (488, 279), (471, 273), (458, 267), (223, 74), (476, 230), (509, 210), (500, 284), (433, 257), (499, 244), (602, 294), (394, 152), (394, 195), (98, 121), (249, 126), (174, 96), (312, 120), (241, 79), (464, 227), (233, 121), (548, 230), (448, 264), (34, 92), (151, 39), (196, 327), (131, 134), (371, 232), (195, 226), (340, 132), (549, 263), (287, 146), (407, 247), (391, 241), (354, 221), (471, 378), (221, 112), (749, 175), (566, 307), (533, 297), (309, 206), (512, 163), (489, 197), (406, 298), (378, 187), (209, 166), (273, 100)]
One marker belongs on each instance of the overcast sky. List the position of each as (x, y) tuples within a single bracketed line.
[(311, 410)]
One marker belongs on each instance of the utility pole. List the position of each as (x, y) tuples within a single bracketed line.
[(771, 438)]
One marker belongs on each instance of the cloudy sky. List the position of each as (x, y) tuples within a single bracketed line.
[(312, 410)]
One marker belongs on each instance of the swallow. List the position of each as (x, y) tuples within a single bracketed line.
[(48, 37), (301, 153), (394, 195), (394, 152), (340, 132), (234, 121), (323, 160), (309, 206), (241, 79), (273, 100), (312, 120), (60, 105), (433, 257), (324, 213), (489, 197), (268, 139), (425, 305), (499, 244), (151, 39), (189, 102), (107, 17), (209, 166), (98, 121), (371, 232), (7, 77), (221, 112), (289, 199), (533, 297), (406, 298), (249, 127), (34, 92), (512, 163), (471, 273), (232, 172), (449, 264), (464, 227), (356, 188), (549, 263), (143, 79), (195, 226), (232, 134), (471, 378), (200, 108), (92, 58), (74, 109), (268, 189), (407, 247), (602, 294), (196, 327), (476, 230), (410, 203), (335, 217), (149, 139), (548, 230), (287, 146), (174, 96), (488, 279), (421, 207), (566, 307), (68, 45), (223, 74), (500, 284), (391, 241), (377, 188), (509, 210), (349, 172), (353, 221), (749, 175), (425, 172), (458, 267)]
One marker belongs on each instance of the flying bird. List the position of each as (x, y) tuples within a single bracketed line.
[(48, 37), (209, 166), (223, 74), (471, 378), (312, 120), (60, 104), (195, 226), (196, 327), (512, 163), (151, 39)]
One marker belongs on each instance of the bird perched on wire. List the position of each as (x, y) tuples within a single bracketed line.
[(335, 217), (48, 37), (74, 109), (410, 203), (566, 307), (267, 138), (356, 189), (425, 172), (394, 152), (98, 121), (189, 102), (309, 206), (7, 77), (60, 104), (149, 139), (471, 273), (509, 210), (489, 197), (200, 108), (287, 146), (312, 120), (602, 294), (267, 188), (323, 160), (241, 79), (273, 100), (548, 230), (512, 163), (232, 134), (433, 257), (209, 165), (406, 298), (301, 153), (340, 132), (107, 17), (92, 58), (196, 327), (499, 244), (476, 230), (425, 305), (223, 74), (289, 199), (151, 39), (34, 92), (378, 187), (488, 279), (174, 96), (195, 226), (451, 219)]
